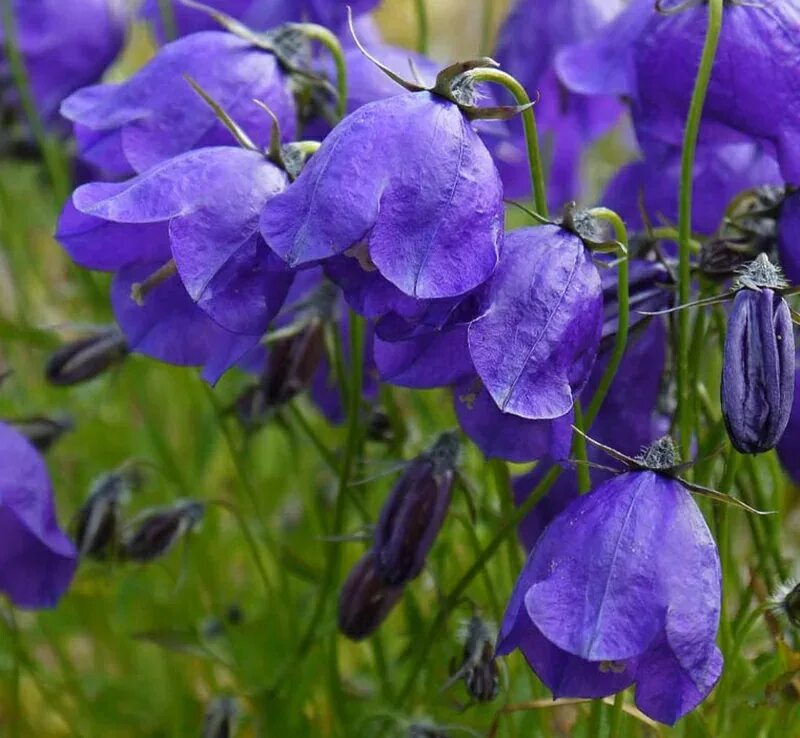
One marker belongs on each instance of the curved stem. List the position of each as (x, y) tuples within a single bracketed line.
[(623, 325), (581, 454), (422, 26), (531, 132), (715, 9), (331, 43)]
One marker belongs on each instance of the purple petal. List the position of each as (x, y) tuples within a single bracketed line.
[(535, 345), (789, 238)]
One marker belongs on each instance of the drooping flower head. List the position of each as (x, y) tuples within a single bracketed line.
[(529, 40), (404, 185), (623, 588), (651, 58), (195, 283), (64, 45), (37, 560), (155, 114), (758, 367)]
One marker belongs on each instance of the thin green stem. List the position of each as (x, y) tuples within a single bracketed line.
[(616, 715), (486, 27), (421, 10), (326, 454), (623, 320), (167, 13), (685, 407), (519, 94), (581, 454)]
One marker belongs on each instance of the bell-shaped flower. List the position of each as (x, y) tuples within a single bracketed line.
[(623, 587), (651, 58), (195, 283), (428, 218), (64, 45), (528, 42), (37, 560), (155, 115), (758, 370)]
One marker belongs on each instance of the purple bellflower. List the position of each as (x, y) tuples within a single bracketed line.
[(64, 45), (758, 370), (260, 15), (37, 560), (651, 58), (622, 588), (423, 208), (183, 240), (155, 115), (528, 42), (411, 518)]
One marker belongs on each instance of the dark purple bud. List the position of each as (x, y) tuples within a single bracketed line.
[(156, 531), (86, 358), (220, 718), (365, 601), (380, 428), (758, 370), (413, 515), (41, 431), (96, 524)]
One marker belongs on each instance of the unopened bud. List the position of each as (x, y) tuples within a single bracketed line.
[(86, 358), (42, 431), (220, 718), (154, 532)]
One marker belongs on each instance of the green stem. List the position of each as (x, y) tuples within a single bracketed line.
[(422, 26), (331, 43), (531, 133), (581, 454), (715, 8), (54, 159), (616, 715), (167, 13), (311, 434), (623, 324), (486, 27)]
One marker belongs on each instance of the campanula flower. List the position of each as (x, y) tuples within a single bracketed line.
[(260, 15), (64, 45), (37, 560), (155, 114), (529, 39), (651, 59), (789, 237), (602, 603), (365, 601), (758, 370), (411, 518), (428, 216), (535, 345), (183, 240)]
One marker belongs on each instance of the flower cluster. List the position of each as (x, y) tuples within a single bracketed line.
[(236, 239)]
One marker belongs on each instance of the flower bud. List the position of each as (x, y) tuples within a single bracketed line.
[(365, 601), (786, 602), (96, 524), (414, 513), (758, 370), (478, 666), (86, 358), (220, 718), (156, 531), (41, 431)]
